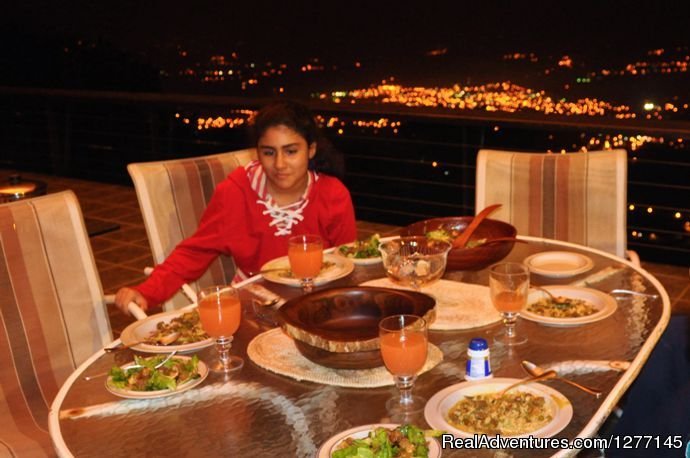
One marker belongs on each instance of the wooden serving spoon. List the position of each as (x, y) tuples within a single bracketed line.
[(463, 238)]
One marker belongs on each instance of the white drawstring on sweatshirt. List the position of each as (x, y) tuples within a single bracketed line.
[(282, 218)]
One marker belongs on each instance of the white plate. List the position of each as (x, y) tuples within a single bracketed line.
[(140, 330), (358, 261), (604, 303), (342, 267), (359, 432), (364, 261), (558, 264), (131, 394), (436, 409)]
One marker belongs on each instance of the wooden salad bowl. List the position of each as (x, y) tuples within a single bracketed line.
[(339, 327), (467, 258)]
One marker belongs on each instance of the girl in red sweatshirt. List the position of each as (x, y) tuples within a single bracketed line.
[(290, 190)]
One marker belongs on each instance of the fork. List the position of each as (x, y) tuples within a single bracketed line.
[(634, 293), (135, 366), (547, 375)]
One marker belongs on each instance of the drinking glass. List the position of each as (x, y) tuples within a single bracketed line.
[(305, 253), (508, 285), (220, 311), (404, 346)]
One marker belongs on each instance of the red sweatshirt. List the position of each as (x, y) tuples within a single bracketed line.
[(234, 224)]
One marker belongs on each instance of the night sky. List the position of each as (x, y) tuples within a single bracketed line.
[(353, 29)]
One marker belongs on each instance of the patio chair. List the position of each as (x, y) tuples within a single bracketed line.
[(172, 196), (574, 197), (52, 314)]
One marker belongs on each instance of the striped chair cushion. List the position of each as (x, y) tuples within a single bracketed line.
[(575, 197), (52, 314), (173, 195)]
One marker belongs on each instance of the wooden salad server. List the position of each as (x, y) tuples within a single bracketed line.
[(463, 238)]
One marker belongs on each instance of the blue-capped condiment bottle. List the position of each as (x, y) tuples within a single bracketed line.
[(478, 363)]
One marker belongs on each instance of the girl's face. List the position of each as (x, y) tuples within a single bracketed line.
[(284, 155)]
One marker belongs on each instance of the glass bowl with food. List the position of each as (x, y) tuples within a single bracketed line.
[(414, 261)]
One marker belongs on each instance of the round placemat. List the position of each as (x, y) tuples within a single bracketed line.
[(276, 352), (458, 305)]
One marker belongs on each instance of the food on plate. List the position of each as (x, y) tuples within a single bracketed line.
[(144, 376), (186, 325), (287, 273), (562, 307), (507, 414), (406, 441), (446, 236), (362, 249)]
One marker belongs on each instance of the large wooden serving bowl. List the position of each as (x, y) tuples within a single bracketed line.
[(470, 258), (339, 327)]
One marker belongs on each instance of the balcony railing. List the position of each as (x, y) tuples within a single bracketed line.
[(417, 164)]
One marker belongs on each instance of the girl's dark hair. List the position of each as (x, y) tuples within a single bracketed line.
[(299, 118)]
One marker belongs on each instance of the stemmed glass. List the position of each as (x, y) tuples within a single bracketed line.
[(508, 285), (220, 311), (404, 347), (305, 253)]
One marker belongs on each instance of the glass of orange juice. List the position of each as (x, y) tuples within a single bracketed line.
[(305, 253), (404, 347), (508, 286), (220, 311)]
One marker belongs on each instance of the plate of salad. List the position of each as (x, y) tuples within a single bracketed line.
[(140, 379), (381, 440), (362, 252)]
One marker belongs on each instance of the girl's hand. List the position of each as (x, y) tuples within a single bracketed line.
[(126, 295)]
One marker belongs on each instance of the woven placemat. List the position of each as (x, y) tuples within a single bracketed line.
[(458, 305), (275, 351)]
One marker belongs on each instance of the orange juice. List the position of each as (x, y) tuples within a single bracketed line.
[(305, 259), (404, 354), (220, 314), (509, 301)]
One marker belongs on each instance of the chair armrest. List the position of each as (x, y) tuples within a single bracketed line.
[(133, 308), (632, 257)]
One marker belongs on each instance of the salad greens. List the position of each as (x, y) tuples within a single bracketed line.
[(143, 376), (445, 236), (361, 249), (406, 441), (441, 235)]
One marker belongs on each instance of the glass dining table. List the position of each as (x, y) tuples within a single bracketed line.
[(260, 413)]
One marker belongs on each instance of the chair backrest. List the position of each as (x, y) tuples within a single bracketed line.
[(52, 314), (575, 197), (173, 195)]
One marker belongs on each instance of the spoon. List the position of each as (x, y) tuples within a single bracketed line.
[(503, 239), (556, 300), (101, 374), (535, 371), (163, 340), (463, 238), (545, 375)]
